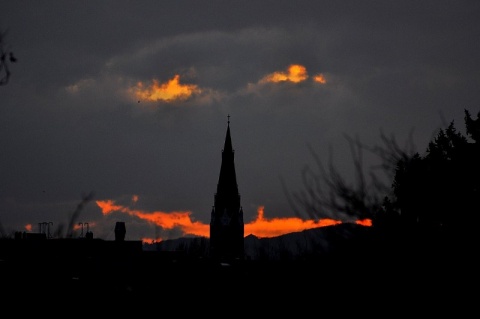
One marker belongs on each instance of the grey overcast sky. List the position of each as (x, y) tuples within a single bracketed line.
[(129, 100)]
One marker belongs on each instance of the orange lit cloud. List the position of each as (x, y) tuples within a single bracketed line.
[(166, 220), (364, 222), (319, 78), (296, 73), (260, 227), (169, 91), (108, 206)]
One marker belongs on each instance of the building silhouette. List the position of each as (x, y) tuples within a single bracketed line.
[(226, 224)]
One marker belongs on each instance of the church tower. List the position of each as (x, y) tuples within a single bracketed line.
[(226, 224)]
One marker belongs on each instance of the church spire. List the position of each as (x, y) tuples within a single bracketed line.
[(226, 225), (228, 139), (227, 181)]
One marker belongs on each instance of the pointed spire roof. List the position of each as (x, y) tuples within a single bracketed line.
[(227, 182), (228, 139)]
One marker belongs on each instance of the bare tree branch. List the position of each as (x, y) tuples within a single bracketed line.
[(326, 192)]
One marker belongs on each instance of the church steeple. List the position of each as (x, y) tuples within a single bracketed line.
[(226, 225), (227, 188), (228, 140)]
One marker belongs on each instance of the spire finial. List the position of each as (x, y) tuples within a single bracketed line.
[(228, 119)]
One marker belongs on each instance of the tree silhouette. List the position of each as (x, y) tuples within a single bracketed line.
[(440, 191), (424, 210)]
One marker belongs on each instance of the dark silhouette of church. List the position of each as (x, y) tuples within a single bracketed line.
[(226, 224)]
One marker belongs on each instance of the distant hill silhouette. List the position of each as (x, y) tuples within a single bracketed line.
[(308, 244)]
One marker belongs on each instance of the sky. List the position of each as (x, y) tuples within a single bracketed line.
[(117, 110)]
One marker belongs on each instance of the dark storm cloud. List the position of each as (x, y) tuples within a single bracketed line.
[(70, 123)]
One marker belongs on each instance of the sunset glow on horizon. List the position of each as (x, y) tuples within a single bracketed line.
[(169, 91), (260, 227)]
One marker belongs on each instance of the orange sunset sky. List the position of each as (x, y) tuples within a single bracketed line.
[(139, 104), (260, 226), (174, 90)]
